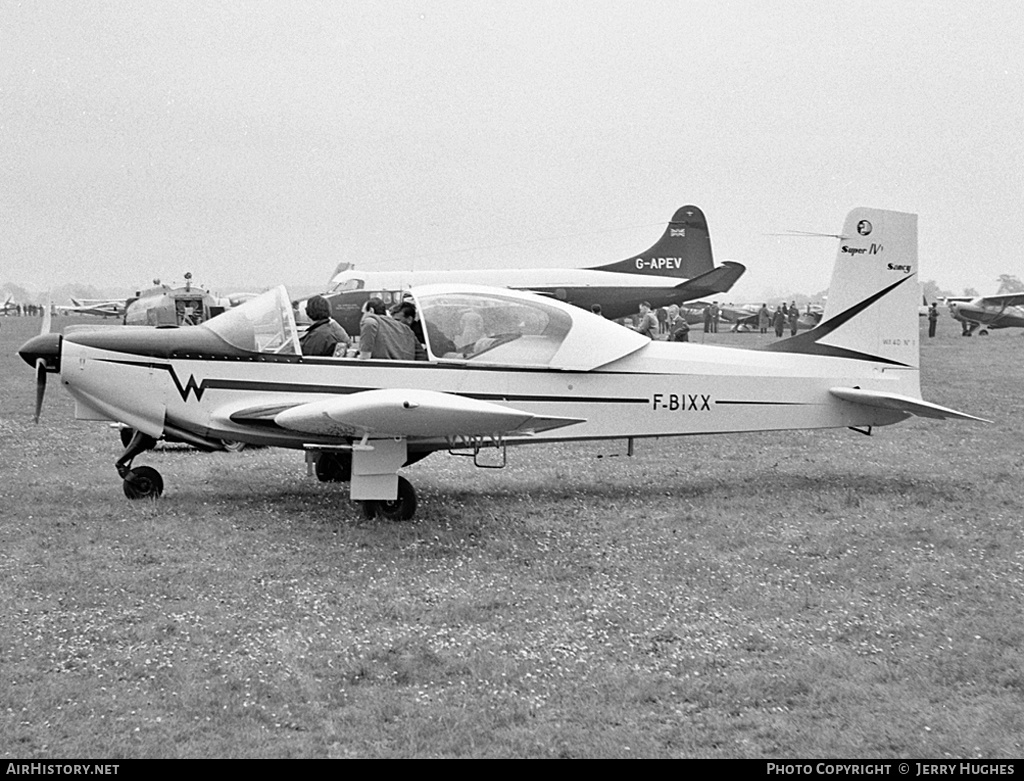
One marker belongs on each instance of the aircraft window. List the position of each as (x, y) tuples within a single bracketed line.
[(265, 324), (348, 284), (492, 328)]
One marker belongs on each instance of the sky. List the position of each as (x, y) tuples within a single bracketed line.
[(260, 143)]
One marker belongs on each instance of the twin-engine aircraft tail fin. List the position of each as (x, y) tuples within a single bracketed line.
[(683, 251)]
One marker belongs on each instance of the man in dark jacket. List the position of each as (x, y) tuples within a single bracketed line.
[(324, 335), (381, 336)]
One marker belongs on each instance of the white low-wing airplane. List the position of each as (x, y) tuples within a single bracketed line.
[(544, 371), (1005, 310)]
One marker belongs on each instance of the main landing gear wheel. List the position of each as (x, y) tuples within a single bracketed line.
[(232, 446), (143, 482), (334, 468), (401, 509)]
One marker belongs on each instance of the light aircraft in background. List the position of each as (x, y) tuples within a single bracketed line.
[(1004, 310), (678, 267), (543, 371), (9, 306), (98, 307)]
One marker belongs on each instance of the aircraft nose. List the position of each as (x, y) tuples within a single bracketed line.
[(45, 347)]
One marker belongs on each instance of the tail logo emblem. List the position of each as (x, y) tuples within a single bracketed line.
[(864, 227)]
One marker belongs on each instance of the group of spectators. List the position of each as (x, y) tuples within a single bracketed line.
[(779, 319), (397, 335), (670, 322), (24, 310), (673, 323)]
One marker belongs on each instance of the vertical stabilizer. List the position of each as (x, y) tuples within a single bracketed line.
[(871, 311), (683, 251)]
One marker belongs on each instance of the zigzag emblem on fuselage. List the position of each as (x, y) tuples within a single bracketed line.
[(183, 390)]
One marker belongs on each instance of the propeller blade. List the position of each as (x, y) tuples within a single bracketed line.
[(40, 386)]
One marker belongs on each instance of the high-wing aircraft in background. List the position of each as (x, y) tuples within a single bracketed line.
[(9, 306), (1005, 310), (542, 371), (99, 307), (678, 267)]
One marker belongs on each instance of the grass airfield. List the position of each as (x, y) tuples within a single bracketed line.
[(792, 594)]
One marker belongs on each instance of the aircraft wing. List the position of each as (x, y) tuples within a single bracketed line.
[(1004, 299), (393, 412), (895, 401)]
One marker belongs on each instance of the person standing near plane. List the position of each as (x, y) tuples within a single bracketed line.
[(794, 318), (648, 325), (933, 319), (707, 319), (764, 317), (779, 320), (324, 335)]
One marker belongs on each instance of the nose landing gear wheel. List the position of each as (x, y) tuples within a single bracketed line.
[(143, 482), (401, 509)]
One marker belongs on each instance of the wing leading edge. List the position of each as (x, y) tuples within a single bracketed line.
[(393, 412)]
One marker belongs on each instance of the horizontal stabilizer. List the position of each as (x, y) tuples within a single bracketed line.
[(413, 414), (720, 280), (895, 401)]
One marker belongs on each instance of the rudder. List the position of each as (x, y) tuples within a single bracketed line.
[(683, 251), (871, 312)]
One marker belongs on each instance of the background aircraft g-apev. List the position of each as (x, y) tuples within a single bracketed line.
[(678, 267)]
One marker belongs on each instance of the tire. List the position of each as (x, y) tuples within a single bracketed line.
[(334, 468), (401, 509), (232, 446), (143, 482)]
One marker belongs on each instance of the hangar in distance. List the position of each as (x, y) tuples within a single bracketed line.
[(678, 267)]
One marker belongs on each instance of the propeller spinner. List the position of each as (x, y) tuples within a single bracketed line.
[(43, 353)]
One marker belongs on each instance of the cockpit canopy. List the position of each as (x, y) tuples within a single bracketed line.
[(264, 324), (504, 327), (461, 323)]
